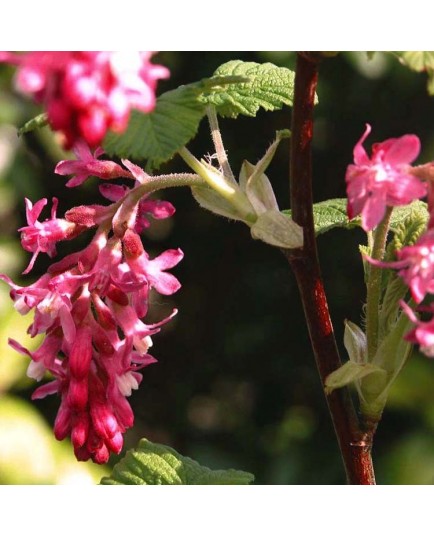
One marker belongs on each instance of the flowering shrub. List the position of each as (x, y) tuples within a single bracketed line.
[(91, 306)]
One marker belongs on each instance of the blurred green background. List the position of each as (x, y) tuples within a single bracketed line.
[(236, 384)]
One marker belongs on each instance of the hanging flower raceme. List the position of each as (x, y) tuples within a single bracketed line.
[(87, 93), (91, 307), (383, 180)]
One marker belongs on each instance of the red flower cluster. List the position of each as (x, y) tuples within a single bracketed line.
[(91, 305)]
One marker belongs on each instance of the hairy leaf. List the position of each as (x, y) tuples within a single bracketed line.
[(266, 86), (329, 214), (333, 213), (415, 216), (153, 464)]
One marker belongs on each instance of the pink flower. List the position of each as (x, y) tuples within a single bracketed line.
[(88, 93), (40, 237), (416, 266), (88, 165), (382, 180), (156, 208)]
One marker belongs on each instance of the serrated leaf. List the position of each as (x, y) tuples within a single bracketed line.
[(157, 136), (333, 213), (39, 121), (268, 87), (153, 464), (330, 214), (417, 210), (349, 373)]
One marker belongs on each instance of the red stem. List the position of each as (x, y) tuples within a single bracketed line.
[(355, 443)]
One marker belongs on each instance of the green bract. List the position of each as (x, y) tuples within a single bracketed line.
[(153, 464)]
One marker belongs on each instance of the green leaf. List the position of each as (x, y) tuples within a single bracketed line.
[(414, 215), (420, 61), (157, 136), (152, 464), (39, 121), (333, 213), (330, 214), (268, 87)]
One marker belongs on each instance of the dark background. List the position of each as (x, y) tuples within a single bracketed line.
[(236, 385)]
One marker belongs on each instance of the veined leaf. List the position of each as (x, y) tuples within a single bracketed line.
[(329, 214), (267, 86), (333, 213), (153, 464), (157, 136)]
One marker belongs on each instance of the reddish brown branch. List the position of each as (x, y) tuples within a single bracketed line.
[(355, 444)]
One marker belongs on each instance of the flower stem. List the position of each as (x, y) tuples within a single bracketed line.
[(355, 443), (217, 181), (373, 286), (218, 144)]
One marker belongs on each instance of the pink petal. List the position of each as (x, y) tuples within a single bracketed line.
[(168, 259), (360, 156), (373, 211), (166, 284), (48, 389), (33, 211), (403, 150)]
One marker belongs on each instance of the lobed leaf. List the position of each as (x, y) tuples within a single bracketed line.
[(333, 213), (155, 464), (267, 86)]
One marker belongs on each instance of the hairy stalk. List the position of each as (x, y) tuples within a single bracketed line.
[(218, 144), (355, 443), (218, 182), (373, 286)]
